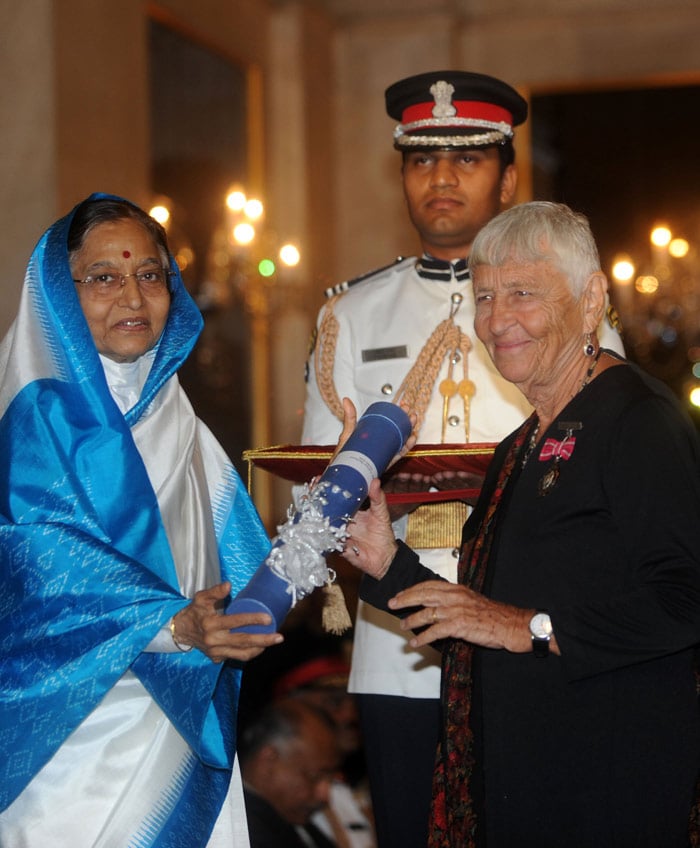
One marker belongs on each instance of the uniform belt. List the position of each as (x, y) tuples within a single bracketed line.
[(437, 525)]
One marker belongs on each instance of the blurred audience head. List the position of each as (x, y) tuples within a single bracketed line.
[(289, 756), (323, 681)]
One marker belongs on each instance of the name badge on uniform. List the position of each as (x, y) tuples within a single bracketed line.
[(378, 353)]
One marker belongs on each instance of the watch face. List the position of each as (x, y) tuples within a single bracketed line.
[(541, 626)]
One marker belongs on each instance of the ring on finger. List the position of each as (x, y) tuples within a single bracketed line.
[(355, 550), (435, 615)]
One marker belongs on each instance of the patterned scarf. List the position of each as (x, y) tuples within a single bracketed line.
[(453, 815)]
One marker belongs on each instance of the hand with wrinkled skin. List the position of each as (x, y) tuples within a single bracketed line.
[(371, 534), (202, 625), (450, 610)]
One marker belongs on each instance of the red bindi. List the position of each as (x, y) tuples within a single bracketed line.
[(126, 254)]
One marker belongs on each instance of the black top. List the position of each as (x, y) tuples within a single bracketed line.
[(601, 746), (267, 829)]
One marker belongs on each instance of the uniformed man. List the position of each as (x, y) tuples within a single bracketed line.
[(405, 334)]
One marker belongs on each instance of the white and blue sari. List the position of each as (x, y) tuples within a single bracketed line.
[(116, 505)]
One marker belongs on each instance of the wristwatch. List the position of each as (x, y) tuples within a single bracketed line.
[(541, 632)]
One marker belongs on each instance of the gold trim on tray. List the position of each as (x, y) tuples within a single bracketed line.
[(300, 463)]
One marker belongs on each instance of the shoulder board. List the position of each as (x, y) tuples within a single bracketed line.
[(348, 284), (614, 318)]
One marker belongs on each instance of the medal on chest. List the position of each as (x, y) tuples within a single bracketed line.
[(557, 451)]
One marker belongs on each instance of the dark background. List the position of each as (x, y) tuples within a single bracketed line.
[(629, 159)]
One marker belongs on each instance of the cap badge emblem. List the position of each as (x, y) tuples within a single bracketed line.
[(442, 92)]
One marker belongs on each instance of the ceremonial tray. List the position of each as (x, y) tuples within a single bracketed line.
[(300, 463)]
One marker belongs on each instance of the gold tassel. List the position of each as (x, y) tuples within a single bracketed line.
[(335, 616)]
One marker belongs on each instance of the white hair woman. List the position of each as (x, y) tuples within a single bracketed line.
[(569, 699)]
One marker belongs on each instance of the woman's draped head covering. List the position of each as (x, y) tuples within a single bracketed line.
[(88, 574), (54, 338)]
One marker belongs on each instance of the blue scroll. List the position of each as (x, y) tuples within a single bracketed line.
[(296, 564)]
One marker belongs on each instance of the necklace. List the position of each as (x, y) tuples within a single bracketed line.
[(531, 444), (591, 369)]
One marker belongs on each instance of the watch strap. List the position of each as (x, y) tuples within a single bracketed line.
[(540, 641), (540, 647)]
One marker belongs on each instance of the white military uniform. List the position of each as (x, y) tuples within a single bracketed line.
[(383, 322)]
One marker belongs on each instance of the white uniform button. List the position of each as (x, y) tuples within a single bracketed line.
[(455, 553), (387, 389), (453, 421)]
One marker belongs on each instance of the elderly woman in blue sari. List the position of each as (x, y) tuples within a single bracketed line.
[(123, 529)]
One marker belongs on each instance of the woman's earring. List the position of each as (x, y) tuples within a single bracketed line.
[(588, 346)]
